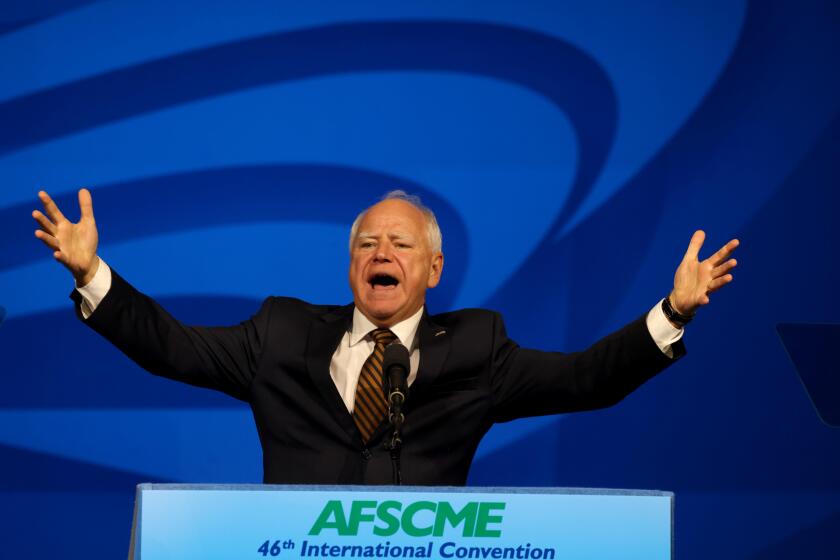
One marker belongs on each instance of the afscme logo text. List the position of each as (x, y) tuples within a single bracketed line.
[(415, 519)]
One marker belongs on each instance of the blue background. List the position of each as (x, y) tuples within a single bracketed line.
[(569, 149)]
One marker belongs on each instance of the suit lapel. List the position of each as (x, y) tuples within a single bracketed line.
[(434, 347), (324, 336)]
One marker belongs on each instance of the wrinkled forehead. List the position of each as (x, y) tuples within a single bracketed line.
[(392, 217)]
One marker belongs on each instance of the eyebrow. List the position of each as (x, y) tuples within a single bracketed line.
[(396, 235)]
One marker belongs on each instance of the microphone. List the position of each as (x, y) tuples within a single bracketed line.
[(395, 367)]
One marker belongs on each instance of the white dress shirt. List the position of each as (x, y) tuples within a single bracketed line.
[(356, 345)]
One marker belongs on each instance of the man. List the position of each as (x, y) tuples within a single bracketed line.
[(312, 373)]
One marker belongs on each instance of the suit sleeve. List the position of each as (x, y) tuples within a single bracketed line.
[(527, 382), (221, 358)]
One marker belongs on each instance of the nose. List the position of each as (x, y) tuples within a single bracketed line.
[(383, 253)]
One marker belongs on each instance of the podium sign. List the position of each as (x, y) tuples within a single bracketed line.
[(293, 522)]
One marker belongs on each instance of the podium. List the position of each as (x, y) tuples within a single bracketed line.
[(397, 522)]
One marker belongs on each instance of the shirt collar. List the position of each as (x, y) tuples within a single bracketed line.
[(406, 330)]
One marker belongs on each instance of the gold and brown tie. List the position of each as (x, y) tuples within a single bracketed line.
[(371, 406)]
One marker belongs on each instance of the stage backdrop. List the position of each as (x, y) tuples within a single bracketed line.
[(570, 149)]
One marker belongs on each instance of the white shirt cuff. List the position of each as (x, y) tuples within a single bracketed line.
[(94, 291), (664, 334)]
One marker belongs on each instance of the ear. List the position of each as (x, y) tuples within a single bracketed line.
[(435, 271)]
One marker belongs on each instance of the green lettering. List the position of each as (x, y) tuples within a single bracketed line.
[(476, 519), (392, 522), (446, 514), (358, 515), (331, 517), (485, 518), (409, 528)]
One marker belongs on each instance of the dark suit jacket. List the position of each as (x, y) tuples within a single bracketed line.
[(471, 375)]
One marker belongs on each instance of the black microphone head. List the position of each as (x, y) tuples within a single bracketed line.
[(395, 355), (395, 368)]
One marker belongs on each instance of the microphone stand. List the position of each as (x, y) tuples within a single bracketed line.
[(395, 368), (396, 418)]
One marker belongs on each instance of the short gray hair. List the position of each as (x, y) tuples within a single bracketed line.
[(432, 227)]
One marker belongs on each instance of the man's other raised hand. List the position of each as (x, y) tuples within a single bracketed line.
[(696, 279), (73, 244)]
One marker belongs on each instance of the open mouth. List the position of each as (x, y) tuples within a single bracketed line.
[(383, 281)]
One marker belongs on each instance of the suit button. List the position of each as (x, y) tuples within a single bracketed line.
[(366, 454)]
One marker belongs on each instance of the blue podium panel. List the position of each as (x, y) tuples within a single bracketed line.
[(254, 521)]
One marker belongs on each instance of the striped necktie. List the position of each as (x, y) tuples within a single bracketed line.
[(371, 407)]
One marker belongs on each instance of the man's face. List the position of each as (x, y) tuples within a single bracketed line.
[(391, 263)]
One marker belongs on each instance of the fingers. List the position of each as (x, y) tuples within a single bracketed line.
[(695, 244), (61, 257), (720, 276), (52, 210), (86, 203), (720, 270), (47, 239), (724, 252), (44, 222), (718, 283)]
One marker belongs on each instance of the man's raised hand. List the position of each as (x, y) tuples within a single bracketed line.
[(73, 245), (695, 279)]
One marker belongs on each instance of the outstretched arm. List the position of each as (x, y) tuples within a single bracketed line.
[(222, 358), (528, 382)]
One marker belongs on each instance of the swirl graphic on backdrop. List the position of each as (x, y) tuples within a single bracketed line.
[(731, 114), (570, 79), (488, 50)]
